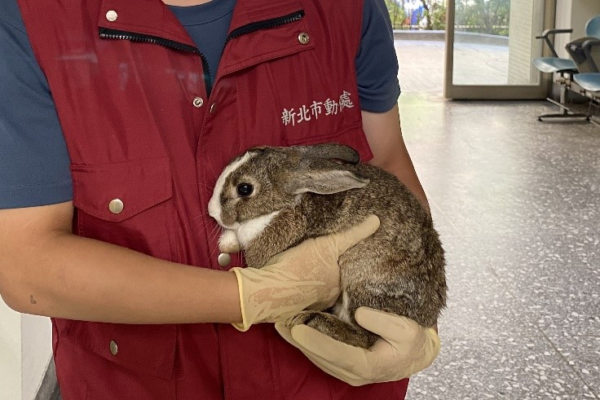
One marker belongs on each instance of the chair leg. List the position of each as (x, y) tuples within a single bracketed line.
[(565, 112), (593, 121), (594, 104)]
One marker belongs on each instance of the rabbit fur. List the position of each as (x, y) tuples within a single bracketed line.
[(302, 192)]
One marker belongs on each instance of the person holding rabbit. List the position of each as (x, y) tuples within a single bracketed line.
[(116, 119)]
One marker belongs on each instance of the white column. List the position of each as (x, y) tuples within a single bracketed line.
[(36, 351), (526, 22), (25, 351), (10, 353), (573, 14)]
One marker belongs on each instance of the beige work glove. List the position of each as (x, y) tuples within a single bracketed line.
[(404, 349), (304, 277)]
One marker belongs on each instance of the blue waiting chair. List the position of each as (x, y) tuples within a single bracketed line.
[(590, 85), (554, 63), (583, 51), (590, 81), (566, 69)]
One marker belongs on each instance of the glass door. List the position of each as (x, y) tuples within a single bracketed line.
[(490, 47)]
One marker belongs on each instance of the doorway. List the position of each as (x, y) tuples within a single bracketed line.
[(490, 47), (471, 49)]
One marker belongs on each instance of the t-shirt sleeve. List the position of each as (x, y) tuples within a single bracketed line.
[(376, 61), (34, 163)]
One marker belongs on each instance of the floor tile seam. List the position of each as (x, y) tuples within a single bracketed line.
[(522, 312), (446, 218), (566, 362), (593, 390)]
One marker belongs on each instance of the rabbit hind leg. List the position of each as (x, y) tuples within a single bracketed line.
[(335, 328)]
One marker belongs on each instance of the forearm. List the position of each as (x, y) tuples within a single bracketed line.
[(403, 168), (47, 270), (384, 135), (71, 277)]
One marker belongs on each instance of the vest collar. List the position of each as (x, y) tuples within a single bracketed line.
[(251, 11), (153, 18), (151, 21)]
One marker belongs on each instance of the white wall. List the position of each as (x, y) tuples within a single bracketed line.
[(25, 351), (522, 44), (36, 350), (10, 353), (573, 14)]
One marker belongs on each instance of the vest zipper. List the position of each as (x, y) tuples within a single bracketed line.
[(106, 33), (266, 24)]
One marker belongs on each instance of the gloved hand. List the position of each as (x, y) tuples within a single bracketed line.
[(404, 349), (304, 277)]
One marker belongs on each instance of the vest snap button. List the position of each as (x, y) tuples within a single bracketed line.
[(111, 15), (303, 38), (213, 108), (224, 259), (116, 206), (114, 349), (198, 102)]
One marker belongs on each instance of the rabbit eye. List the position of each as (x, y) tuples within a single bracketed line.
[(245, 189)]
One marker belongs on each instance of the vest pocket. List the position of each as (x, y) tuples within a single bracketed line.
[(130, 205), (146, 349), (126, 204)]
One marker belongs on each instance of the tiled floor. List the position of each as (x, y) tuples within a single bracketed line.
[(517, 203)]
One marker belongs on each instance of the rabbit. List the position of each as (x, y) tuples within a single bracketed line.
[(272, 198)]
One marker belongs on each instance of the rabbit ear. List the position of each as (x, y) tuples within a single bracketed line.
[(325, 177), (330, 151)]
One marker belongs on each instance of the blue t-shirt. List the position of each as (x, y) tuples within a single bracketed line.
[(34, 162)]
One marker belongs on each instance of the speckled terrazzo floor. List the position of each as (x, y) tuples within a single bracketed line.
[(517, 203)]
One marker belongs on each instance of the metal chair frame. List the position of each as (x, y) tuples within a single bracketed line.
[(564, 77), (591, 91)]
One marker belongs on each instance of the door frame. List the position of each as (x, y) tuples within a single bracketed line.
[(493, 92)]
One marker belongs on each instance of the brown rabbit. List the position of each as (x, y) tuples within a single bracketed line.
[(273, 198)]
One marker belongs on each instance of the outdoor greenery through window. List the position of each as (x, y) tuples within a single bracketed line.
[(477, 16)]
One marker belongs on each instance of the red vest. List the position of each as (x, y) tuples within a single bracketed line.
[(144, 124)]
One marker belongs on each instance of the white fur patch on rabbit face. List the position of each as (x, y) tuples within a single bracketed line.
[(248, 230), (214, 205)]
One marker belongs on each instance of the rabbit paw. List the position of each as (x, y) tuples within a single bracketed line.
[(334, 327), (302, 318)]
